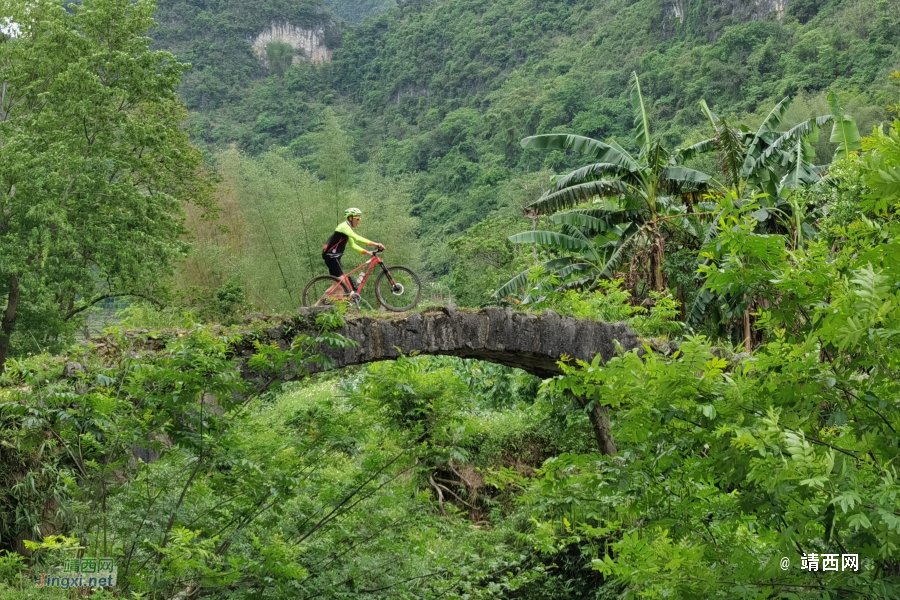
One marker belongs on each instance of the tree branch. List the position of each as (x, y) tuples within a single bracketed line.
[(83, 308)]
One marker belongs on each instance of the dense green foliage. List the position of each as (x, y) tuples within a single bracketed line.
[(354, 11), (94, 167)]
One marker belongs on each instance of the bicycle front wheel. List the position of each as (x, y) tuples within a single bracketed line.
[(398, 289), (325, 290)]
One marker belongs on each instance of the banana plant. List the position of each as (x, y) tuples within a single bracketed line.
[(651, 184), (587, 246), (770, 161), (769, 165)]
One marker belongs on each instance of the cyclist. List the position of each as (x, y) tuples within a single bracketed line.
[(334, 247)]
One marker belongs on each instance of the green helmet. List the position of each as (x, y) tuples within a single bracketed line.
[(352, 212)]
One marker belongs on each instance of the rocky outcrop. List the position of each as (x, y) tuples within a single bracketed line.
[(710, 17), (745, 11), (531, 342), (308, 44)]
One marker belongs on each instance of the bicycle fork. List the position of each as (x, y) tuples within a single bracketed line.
[(388, 273)]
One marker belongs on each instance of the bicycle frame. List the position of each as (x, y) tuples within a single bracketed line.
[(375, 260)]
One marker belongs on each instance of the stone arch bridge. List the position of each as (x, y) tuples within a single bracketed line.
[(531, 342)]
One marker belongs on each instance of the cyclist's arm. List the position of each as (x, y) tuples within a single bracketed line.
[(354, 237)]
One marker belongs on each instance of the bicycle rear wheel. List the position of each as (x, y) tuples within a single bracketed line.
[(402, 293), (325, 290)]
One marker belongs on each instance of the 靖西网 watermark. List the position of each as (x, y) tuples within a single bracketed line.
[(81, 572), (827, 562)]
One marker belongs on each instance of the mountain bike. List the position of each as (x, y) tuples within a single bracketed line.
[(397, 288)]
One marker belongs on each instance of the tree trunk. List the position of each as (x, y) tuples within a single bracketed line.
[(9, 318), (599, 416), (748, 340), (657, 256)]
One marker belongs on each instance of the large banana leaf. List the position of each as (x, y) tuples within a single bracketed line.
[(656, 159), (611, 153), (801, 171), (513, 285), (709, 114), (677, 179), (558, 263), (559, 266), (574, 232), (641, 120), (554, 240), (589, 173), (765, 133), (568, 197), (578, 219), (578, 284), (845, 133), (807, 130), (698, 309), (573, 267), (702, 300), (704, 147), (612, 216), (775, 116), (618, 256), (689, 225)]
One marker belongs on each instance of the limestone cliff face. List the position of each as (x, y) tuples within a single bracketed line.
[(745, 9), (711, 15), (308, 44)]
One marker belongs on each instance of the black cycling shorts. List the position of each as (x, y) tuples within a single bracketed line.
[(333, 264)]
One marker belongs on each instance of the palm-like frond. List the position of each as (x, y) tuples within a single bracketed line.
[(579, 219), (728, 144), (765, 134), (585, 174), (801, 171), (568, 197), (682, 155), (602, 152), (709, 114), (730, 147), (807, 130), (641, 120), (677, 179), (611, 217), (553, 239), (845, 132), (513, 285)]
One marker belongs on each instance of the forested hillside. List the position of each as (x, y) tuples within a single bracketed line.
[(712, 185), (446, 90), (354, 11)]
